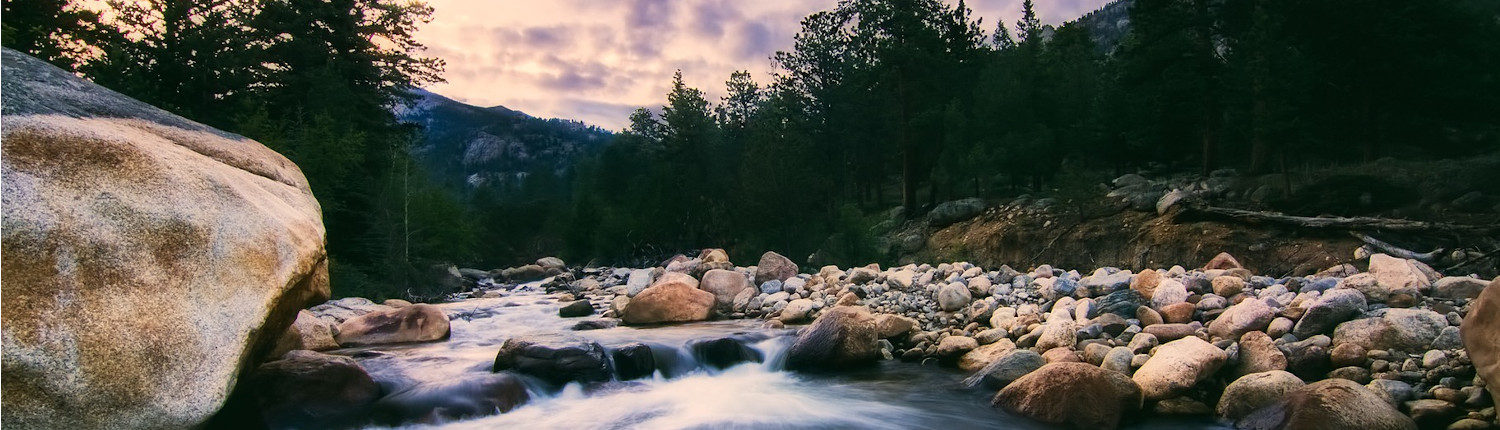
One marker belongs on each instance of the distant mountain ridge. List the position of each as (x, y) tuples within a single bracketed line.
[(1109, 24), (472, 147)]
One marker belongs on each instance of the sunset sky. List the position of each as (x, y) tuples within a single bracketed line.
[(596, 61)]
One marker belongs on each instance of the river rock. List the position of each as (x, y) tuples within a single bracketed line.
[(774, 267), (953, 346), (578, 308), (633, 361), (1177, 366), (1458, 287), (1258, 353), (306, 389), (889, 326), (796, 311), (1170, 332), (1397, 275), (953, 297), (555, 358), (1481, 336), (1118, 359), (674, 298), (1249, 315), (1255, 391), (725, 285), (1109, 284), (337, 311), (1073, 395), (1178, 313), (723, 352), (1008, 367), (1057, 333), (1228, 286), (638, 281), (469, 396), (1123, 303), (1169, 292), (1146, 282), (308, 332), (1334, 307), (982, 355), (1223, 261), (415, 323), (841, 337), (1409, 330), (147, 258), (1331, 404)]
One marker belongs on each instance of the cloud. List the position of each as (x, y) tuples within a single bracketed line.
[(597, 61)]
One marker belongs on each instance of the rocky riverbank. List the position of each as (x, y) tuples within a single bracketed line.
[(1376, 347)]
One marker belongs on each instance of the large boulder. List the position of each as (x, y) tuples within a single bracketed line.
[(1410, 330), (1398, 275), (1177, 366), (674, 298), (953, 297), (774, 267), (1072, 395), (147, 258), (1330, 404), (469, 396), (1481, 336), (843, 336), (1254, 391), (415, 323), (725, 285), (948, 213), (308, 389), (555, 358)]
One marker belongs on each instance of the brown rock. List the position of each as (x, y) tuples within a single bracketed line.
[(1481, 335), (1258, 353), (308, 332), (1072, 395), (674, 298), (982, 356), (724, 285), (1147, 316), (848, 299), (1179, 313), (773, 266), (1347, 354), (1062, 355), (841, 337), (1330, 404), (415, 323), (889, 326), (1145, 282), (1254, 391), (1177, 366), (146, 257), (308, 389), (1228, 286), (1223, 261), (1170, 332)]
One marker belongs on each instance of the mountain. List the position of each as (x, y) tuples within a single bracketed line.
[(1109, 24), (470, 146)]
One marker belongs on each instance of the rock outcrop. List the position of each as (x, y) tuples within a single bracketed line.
[(148, 259)]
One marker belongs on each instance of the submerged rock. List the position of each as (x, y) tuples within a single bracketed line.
[(555, 358), (721, 353), (469, 396), (308, 389)]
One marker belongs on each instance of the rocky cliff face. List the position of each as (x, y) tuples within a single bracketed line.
[(147, 259)]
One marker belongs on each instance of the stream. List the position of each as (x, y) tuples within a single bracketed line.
[(691, 395)]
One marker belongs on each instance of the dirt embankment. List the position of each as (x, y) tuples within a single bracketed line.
[(1023, 237)]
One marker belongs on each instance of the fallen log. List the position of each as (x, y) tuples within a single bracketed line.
[(1346, 223), (1396, 251)]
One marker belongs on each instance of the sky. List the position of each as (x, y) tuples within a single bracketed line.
[(598, 60)]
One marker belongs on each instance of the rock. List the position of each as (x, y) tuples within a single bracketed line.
[(638, 281), (555, 358), (415, 323), (862, 275), (1258, 353), (1074, 395), (723, 352), (1249, 315), (1118, 359), (1168, 293), (1010, 365), (1142, 342), (1228, 286), (1223, 261), (308, 389), (1111, 284), (1279, 327), (1400, 329), (1148, 316), (1171, 198), (1123, 303), (774, 267), (1333, 404), (725, 285), (1392, 392), (633, 361), (674, 298), (1255, 391), (580, 308), (796, 311), (953, 297), (1178, 313), (979, 286), (1432, 413), (1062, 355), (1112, 324), (551, 264), (436, 402), (953, 346), (742, 300), (889, 326), (148, 259), (1481, 336), (1434, 358), (1308, 359), (1177, 366), (1347, 354), (982, 355), (842, 337), (1456, 287), (306, 333), (1059, 333), (1333, 308), (395, 303), (1170, 332), (948, 213), (1145, 283), (901, 279), (527, 273), (594, 325), (1394, 275)]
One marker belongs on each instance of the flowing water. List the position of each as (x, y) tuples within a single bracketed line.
[(892, 395)]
